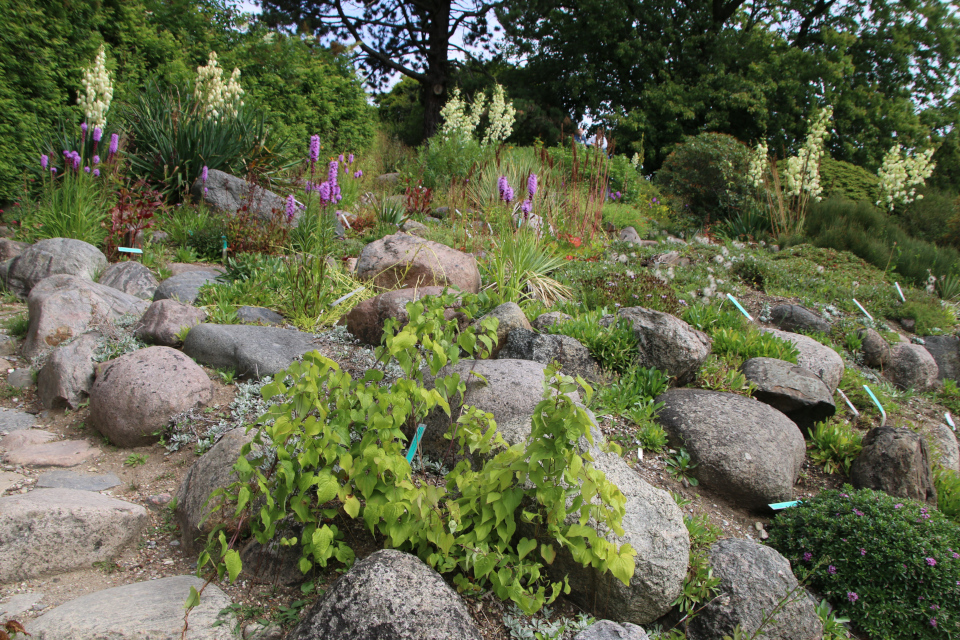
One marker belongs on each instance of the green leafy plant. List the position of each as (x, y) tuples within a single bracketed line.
[(340, 444), (947, 484), (834, 445), (680, 464), (635, 386), (73, 204), (227, 376), (888, 564), (699, 585), (720, 374), (614, 346), (135, 460), (752, 343), (709, 317), (833, 626)]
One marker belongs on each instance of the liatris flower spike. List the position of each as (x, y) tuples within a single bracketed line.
[(204, 173), (96, 173), (332, 173), (83, 128), (526, 207), (358, 174), (291, 207), (44, 161), (96, 159), (350, 159), (86, 169), (340, 158), (114, 144), (97, 134), (314, 148), (324, 191), (532, 185)]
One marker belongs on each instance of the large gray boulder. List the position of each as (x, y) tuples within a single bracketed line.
[(50, 531), (130, 277), (389, 595), (227, 194), (135, 396), (62, 307), (895, 461), (873, 346), (165, 319), (184, 287), (365, 321), (790, 389), (574, 358), (742, 447), (52, 257), (251, 351), (912, 367), (754, 581), (67, 376), (653, 526), (509, 389), (945, 445), (545, 321), (793, 317), (822, 361), (509, 316), (401, 260), (946, 352), (214, 470), (666, 342), (148, 610)]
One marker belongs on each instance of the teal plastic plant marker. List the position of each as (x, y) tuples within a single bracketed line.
[(776, 506), (883, 414), (742, 310), (950, 421), (346, 297), (849, 404), (416, 442), (129, 250), (899, 290), (865, 312)]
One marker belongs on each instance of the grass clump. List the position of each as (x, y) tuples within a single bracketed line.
[(890, 565), (18, 325), (613, 346), (752, 343)]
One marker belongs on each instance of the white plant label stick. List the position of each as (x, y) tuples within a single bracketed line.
[(862, 309), (899, 290), (849, 404)]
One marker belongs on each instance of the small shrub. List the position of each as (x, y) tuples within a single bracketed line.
[(834, 445), (752, 271), (680, 464), (636, 386), (707, 173), (890, 565), (847, 181), (708, 318)]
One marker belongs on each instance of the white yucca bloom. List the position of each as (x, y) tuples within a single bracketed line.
[(216, 97), (635, 161), (459, 121), (502, 116), (758, 163), (97, 91), (803, 169), (900, 175)]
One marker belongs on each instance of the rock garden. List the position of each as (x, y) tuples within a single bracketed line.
[(352, 399)]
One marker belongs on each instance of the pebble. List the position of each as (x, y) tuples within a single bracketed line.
[(758, 526)]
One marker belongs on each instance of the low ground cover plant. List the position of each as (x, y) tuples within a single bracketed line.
[(890, 565)]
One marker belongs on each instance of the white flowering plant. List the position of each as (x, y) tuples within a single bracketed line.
[(216, 97), (901, 174), (97, 91), (460, 121)]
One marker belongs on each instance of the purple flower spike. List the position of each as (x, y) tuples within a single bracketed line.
[(526, 207), (44, 161), (350, 159), (53, 170), (291, 207), (76, 161), (314, 148), (324, 192), (114, 143), (340, 158), (532, 185), (204, 173), (96, 159), (83, 128), (97, 134), (86, 169), (332, 173), (96, 173), (358, 174)]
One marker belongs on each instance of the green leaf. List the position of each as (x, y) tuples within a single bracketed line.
[(193, 599), (352, 506), (548, 553), (526, 546), (234, 565), (327, 488)]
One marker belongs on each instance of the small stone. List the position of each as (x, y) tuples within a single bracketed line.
[(764, 535), (758, 526), (21, 378), (159, 501)]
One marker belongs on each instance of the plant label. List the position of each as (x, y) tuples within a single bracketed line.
[(742, 310), (865, 312), (416, 442)]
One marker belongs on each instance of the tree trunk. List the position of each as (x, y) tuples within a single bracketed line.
[(432, 103)]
